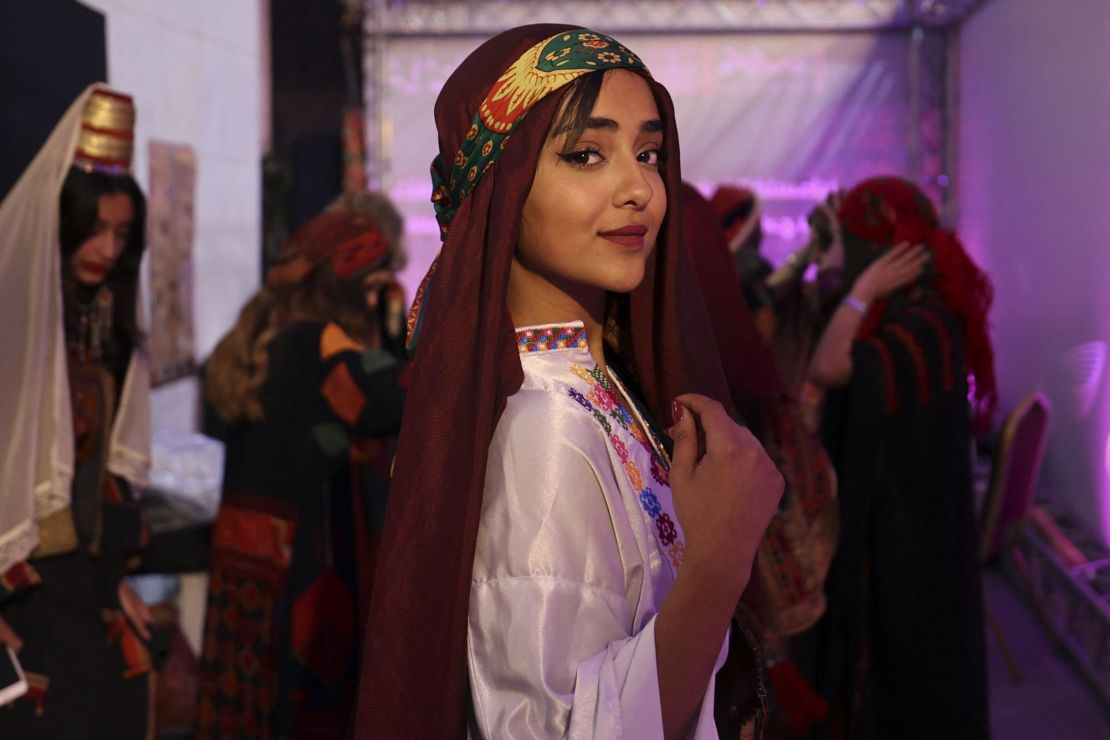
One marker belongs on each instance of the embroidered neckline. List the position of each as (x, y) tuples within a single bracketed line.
[(551, 337), (605, 401)]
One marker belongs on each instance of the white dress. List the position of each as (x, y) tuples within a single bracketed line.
[(578, 546)]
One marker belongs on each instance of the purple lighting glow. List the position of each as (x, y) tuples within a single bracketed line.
[(1085, 364)]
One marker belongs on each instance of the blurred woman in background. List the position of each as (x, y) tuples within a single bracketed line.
[(313, 403), (901, 650)]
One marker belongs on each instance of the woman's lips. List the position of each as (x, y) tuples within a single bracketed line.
[(93, 268), (630, 237)]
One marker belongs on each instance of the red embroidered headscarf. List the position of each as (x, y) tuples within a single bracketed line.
[(739, 211), (349, 239), (884, 211), (414, 680)]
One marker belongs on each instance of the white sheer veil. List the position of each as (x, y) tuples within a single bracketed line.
[(36, 428)]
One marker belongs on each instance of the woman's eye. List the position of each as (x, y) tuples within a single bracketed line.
[(582, 157), (650, 156)]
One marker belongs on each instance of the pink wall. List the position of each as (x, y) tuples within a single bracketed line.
[(1034, 198)]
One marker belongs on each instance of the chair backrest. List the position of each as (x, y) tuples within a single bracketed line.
[(1017, 465)]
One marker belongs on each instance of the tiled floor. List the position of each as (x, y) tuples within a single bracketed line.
[(1052, 701)]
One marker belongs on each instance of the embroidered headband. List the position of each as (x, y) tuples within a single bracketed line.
[(543, 69)]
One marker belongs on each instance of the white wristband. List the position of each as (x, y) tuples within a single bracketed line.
[(855, 303)]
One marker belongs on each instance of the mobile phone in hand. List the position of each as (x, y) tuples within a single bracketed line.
[(13, 684)]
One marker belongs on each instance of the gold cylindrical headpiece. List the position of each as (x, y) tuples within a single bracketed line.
[(107, 132)]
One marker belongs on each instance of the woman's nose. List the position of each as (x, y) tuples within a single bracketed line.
[(111, 245), (635, 189)]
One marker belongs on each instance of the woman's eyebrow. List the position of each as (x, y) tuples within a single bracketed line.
[(652, 126)]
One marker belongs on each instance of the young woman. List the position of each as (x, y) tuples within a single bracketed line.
[(901, 646), (76, 430), (538, 578), (313, 404)]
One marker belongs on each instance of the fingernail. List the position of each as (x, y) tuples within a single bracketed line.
[(676, 411)]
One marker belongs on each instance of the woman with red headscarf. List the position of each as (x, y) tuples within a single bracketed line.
[(313, 404), (901, 645), (538, 578)]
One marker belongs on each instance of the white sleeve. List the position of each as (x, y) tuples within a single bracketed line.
[(552, 659), (560, 641)]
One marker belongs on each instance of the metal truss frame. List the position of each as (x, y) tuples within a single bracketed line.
[(483, 17), (1074, 612), (374, 49), (931, 138), (932, 24)]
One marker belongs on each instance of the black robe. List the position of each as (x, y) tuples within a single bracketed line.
[(86, 665), (901, 648)]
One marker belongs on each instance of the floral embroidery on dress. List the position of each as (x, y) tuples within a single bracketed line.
[(622, 451), (609, 400), (659, 473), (581, 400), (678, 552), (667, 530), (603, 421), (634, 475), (650, 502), (601, 398), (605, 402)]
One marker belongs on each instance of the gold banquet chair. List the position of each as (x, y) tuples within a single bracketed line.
[(1009, 499)]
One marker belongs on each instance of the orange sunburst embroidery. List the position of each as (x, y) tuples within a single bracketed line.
[(520, 87)]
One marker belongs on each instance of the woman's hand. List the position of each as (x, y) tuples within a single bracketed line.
[(725, 493), (831, 364), (726, 489), (136, 609), (9, 637), (897, 268), (374, 284)]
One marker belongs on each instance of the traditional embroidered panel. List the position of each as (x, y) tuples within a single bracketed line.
[(252, 544), (605, 401)]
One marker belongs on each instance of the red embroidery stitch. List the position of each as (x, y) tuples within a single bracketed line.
[(889, 387), (917, 355), (944, 339)]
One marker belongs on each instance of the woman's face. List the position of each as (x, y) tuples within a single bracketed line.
[(97, 255), (596, 205)]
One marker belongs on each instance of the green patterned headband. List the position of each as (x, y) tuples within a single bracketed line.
[(546, 67)]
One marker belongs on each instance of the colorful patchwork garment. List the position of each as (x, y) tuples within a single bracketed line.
[(296, 538)]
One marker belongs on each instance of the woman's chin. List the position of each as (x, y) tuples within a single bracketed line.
[(627, 282)]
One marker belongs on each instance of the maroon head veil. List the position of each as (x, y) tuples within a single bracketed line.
[(414, 679)]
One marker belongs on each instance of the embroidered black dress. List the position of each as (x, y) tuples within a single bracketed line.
[(85, 664), (295, 541), (901, 649)]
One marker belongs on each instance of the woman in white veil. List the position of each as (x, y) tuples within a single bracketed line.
[(74, 428)]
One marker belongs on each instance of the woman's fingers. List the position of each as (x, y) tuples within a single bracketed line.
[(685, 436), (901, 265), (719, 428), (913, 261)]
